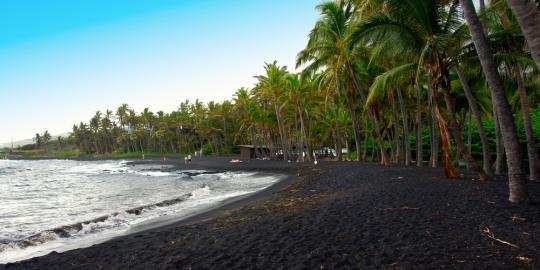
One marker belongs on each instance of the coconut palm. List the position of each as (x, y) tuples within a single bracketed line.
[(45, 139), (528, 15), (509, 44), (272, 85), (38, 140), (487, 164), (330, 46), (516, 176)]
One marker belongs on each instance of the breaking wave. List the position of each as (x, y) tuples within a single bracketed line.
[(107, 197)]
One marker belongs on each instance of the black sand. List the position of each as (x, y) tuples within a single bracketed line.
[(334, 216)]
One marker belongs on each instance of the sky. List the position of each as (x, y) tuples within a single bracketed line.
[(62, 60)]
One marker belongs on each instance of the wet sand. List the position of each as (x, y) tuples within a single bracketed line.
[(333, 215)]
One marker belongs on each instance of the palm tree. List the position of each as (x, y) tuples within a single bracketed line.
[(122, 116), (516, 176), (45, 139), (296, 87), (511, 56), (246, 107), (61, 142), (272, 85), (38, 140), (95, 126), (528, 15), (106, 126), (330, 47), (487, 164), (532, 152)]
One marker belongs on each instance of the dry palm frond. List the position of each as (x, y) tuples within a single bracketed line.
[(487, 232)]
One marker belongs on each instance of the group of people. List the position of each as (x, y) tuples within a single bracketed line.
[(198, 154)]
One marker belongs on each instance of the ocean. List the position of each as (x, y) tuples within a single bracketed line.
[(58, 205)]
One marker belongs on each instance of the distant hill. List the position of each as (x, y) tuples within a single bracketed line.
[(30, 141)]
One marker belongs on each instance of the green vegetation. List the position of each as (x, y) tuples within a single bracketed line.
[(393, 81), (146, 154), (52, 154)]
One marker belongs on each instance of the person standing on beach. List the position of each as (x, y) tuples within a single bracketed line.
[(189, 159)]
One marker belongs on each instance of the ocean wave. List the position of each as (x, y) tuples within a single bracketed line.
[(154, 173), (98, 168), (98, 224)]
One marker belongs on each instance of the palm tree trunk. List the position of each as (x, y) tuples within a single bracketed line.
[(366, 142), (371, 116), (254, 141), (499, 147), (271, 145), (435, 160), (301, 140), (346, 139), (380, 142), (469, 134), (435, 144), (419, 142), (373, 148), (133, 145), (528, 16), (432, 138), (404, 116), (338, 136), (488, 166), (516, 177), (397, 150), (282, 134), (355, 126), (532, 152), (307, 136), (482, 5), (296, 136), (96, 145), (449, 169), (462, 128)]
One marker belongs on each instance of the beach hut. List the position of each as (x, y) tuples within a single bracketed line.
[(247, 151)]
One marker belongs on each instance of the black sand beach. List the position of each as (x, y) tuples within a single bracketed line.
[(344, 215)]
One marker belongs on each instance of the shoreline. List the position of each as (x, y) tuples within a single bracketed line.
[(220, 164), (286, 178), (337, 215), (215, 211)]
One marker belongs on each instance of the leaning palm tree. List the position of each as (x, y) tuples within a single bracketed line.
[(528, 15), (516, 176), (473, 106), (509, 43)]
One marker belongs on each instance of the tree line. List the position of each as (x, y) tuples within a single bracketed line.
[(396, 82)]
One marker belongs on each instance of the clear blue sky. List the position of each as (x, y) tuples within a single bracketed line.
[(61, 60)]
